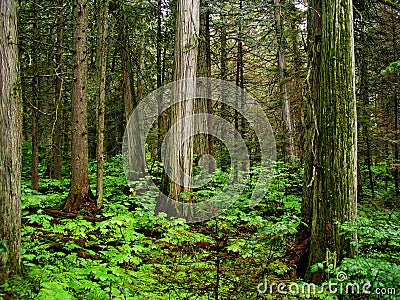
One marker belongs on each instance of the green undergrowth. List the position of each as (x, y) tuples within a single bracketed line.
[(126, 252)]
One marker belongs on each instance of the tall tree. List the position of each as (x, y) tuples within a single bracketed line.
[(35, 96), (394, 42), (58, 136), (80, 190), (10, 142), (283, 81), (363, 95), (130, 94), (333, 181), (126, 64), (161, 47), (202, 142), (239, 80), (101, 64), (186, 39)]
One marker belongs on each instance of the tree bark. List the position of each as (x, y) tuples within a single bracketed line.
[(160, 123), (130, 96), (396, 146), (186, 39), (225, 109), (80, 191), (239, 80), (35, 96), (332, 183), (101, 64), (396, 110), (127, 81), (203, 142), (58, 137), (286, 111), (364, 97), (10, 142)]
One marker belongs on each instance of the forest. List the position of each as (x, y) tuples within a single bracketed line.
[(199, 149)]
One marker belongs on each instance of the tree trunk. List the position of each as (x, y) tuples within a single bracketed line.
[(127, 82), (80, 193), (239, 80), (364, 97), (10, 142), (35, 96), (101, 64), (223, 155), (223, 57), (203, 105), (396, 112), (187, 32), (160, 123), (130, 93), (333, 198), (396, 146), (298, 89), (286, 113), (58, 137)]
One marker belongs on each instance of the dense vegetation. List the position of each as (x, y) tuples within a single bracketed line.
[(125, 252), (326, 73)]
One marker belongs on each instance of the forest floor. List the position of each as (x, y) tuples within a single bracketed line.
[(125, 252)]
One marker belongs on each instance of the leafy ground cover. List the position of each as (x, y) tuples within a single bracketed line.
[(125, 252)]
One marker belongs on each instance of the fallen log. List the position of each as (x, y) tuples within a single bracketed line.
[(70, 215)]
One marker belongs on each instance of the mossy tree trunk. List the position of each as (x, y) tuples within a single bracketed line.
[(10, 142), (80, 193), (331, 190)]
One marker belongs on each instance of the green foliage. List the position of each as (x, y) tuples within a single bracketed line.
[(3, 248), (393, 66), (382, 181), (133, 254), (377, 272), (54, 290), (376, 264)]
